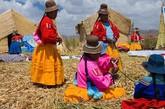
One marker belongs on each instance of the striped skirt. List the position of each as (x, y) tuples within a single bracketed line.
[(46, 67)]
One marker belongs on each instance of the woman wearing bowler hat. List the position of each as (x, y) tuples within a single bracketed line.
[(92, 82), (135, 39), (47, 67), (107, 33)]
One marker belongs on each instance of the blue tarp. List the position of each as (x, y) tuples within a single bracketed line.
[(28, 44)]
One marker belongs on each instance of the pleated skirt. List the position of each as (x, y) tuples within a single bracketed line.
[(47, 66), (135, 46), (77, 94)]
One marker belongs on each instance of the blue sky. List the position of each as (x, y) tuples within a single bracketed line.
[(144, 13)]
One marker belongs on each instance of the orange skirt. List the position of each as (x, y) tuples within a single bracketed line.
[(77, 94), (135, 46), (46, 66), (114, 53)]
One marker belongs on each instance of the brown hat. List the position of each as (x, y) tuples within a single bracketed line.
[(50, 6), (103, 9), (92, 45), (136, 29)]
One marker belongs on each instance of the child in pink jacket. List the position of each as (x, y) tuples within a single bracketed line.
[(93, 71), (93, 78)]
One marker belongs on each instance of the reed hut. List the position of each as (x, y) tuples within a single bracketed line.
[(11, 21), (124, 25)]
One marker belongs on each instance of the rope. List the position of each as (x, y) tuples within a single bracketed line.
[(127, 76)]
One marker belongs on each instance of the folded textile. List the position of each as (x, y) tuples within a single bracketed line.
[(142, 103)]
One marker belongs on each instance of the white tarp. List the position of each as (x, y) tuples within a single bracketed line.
[(70, 57), (145, 52)]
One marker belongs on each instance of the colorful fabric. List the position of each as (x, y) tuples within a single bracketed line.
[(12, 58), (105, 46), (104, 63), (113, 93), (102, 82), (109, 32), (159, 79), (123, 46), (48, 31), (47, 67), (28, 44), (15, 48), (16, 38), (93, 91), (135, 46), (113, 53), (142, 103), (37, 38), (80, 94), (135, 37), (149, 91), (100, 31)]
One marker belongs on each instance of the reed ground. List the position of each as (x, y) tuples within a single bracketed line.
[(18, 92)]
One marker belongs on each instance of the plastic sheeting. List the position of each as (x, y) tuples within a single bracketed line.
[(28, 44), (145, 52)]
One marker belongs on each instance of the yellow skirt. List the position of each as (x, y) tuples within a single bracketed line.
[(77, 94), (46, 66), (114, 53), (135, 46)]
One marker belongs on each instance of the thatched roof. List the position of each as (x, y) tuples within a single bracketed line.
[(86, 26), (12, 21)]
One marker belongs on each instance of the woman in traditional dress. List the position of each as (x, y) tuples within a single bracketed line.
[(93, 79), (47, 66), (135, 39), (15, 46), (107, 33)]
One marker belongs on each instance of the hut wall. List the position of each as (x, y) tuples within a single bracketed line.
[(4, 45)]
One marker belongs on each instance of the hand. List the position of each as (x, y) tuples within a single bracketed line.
[(115, 40), (59, 40), (115, 70), (114, 62), (112, 42), (109, 40), (111, 78)]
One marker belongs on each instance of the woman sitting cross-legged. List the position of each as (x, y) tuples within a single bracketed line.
[(149, 92), (92, 80)]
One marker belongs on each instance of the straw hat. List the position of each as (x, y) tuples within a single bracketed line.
[(155, 64), (92, 45), (103, 9), (50, 6)]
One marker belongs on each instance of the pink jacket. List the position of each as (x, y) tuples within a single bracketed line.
[(104, 63), (102, 82)]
